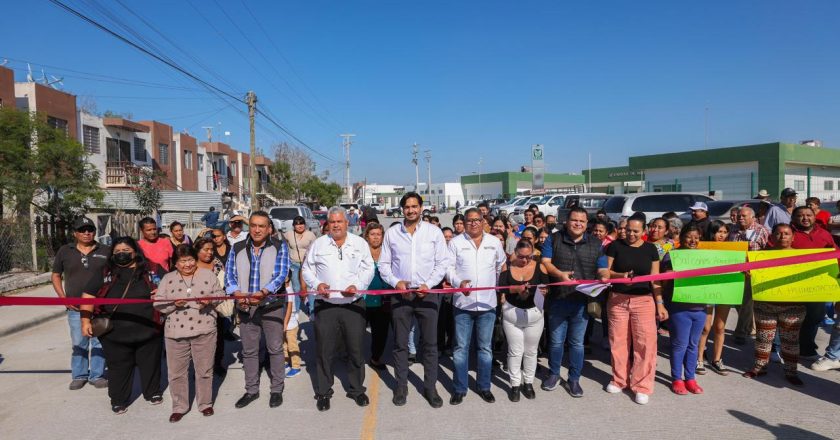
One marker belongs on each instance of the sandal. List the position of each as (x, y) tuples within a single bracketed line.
[(752, 374)]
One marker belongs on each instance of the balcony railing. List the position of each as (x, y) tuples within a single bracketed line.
[(121, 174), (218, 183)]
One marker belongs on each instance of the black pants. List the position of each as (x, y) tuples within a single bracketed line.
[(380, 321), (426, 312), (446, 324), (339, 324), (219, 357), (122, 358), (814, 313)]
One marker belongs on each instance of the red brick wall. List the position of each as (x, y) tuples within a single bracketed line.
[(189, 177), (7, 87), (162, 134), (55, 103)]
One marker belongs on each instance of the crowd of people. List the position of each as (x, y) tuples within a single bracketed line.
[(384, 279)]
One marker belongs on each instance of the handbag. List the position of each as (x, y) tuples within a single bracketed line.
[(101, 324)]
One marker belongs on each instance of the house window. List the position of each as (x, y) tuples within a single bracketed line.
[(90, 137), (233, 169), (200, 161), (59, 124), (188, 159), (140, 150), (163, 154), (799, 185), (828, 185)]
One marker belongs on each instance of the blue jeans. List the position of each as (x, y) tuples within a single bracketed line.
[(464, 323), (84, 347), (686, 327), (566, 319), (295, 278), (833, 350)]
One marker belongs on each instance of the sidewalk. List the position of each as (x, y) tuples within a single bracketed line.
[(16, 319), (14, 280)]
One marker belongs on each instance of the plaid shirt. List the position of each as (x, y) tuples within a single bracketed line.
[(278, 275), (757, 236)]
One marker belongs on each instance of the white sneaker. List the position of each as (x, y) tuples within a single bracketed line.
[(642, 398), (825, 364), (613, 388), (776, 358)]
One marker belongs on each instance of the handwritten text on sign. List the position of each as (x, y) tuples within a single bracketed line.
[(806, 282), (713, 289)]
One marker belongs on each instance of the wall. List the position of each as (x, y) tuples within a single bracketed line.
[(7, 87), (187, 177), (732, 180), (162, 134), (811, 181), (50, 102)]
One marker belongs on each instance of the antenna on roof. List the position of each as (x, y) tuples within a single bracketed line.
[(29, 77)]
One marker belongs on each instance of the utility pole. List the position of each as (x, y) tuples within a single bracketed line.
[(347, 188), (252, 109), (416, 169), (429, 166), (480, 160)]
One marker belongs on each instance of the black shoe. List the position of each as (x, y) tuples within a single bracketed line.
[(487, 396), (433, 398), (528, 391), (360, 399), (456, 399), (246, 399), (740, 340), (323, 403), (574, 388), (220, 371), (119, 409), (275, 400), (399, 398), (514, 394), (156, 399), (412, 359)]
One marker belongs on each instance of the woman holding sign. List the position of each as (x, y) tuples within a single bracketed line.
[(718, 231), (633, 310), (687, 322)]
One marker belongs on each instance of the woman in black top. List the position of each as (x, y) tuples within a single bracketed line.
[(633, 310), (522, 320), (135, 339)]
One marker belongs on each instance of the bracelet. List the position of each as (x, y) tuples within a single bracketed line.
[(659, 302)]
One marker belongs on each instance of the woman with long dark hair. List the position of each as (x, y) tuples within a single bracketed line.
[(715, 314), (134, 338)]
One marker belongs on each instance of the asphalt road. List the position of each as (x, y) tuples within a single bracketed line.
[(36, 404)]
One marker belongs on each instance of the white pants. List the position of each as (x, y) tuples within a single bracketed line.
[(523, 328)]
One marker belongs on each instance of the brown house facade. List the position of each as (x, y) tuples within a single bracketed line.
[(7, 87), (58, 107), (163, 152)]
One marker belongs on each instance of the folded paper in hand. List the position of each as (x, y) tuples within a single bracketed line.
[(592, 289)]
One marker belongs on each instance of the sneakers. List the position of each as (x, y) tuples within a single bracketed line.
[(642, 398), (100, 383), (718, 367), (825, 364), (574, 388), (692, 387), (827, 321), (678, 387), (77, 384), (550, 383), (613, 388), (776, 358), (292, 372), (157, 399), (119, 409), (701, 367)]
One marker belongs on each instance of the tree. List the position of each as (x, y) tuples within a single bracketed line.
[(327, 194), (43, 166), (280, 184), (147, 192), (300, 168)]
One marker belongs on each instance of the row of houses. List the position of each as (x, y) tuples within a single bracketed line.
[(195, 175)]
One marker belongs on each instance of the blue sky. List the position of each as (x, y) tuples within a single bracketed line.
[(463, 79)]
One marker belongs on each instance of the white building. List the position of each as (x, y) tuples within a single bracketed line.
[(448, 193)]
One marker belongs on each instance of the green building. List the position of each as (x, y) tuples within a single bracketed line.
[(508, 184)]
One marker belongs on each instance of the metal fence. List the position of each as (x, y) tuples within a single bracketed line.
[(732, 186), (15, 246)]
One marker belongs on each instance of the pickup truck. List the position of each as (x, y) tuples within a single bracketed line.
[(282, 217)]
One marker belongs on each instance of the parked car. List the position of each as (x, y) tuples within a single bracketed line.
[(380, 209), (591, 202), (719, 209), (396, 211), (282, 217), (507, 206), (521, 206), (651, 204), (548, 204), (321, 216)]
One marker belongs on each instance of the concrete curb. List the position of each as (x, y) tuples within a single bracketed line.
[(21, 326), (24, 282)]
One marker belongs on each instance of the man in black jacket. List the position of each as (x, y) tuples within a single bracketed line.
[(567, 254)]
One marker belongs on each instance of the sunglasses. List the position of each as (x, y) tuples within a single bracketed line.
[(218, 235), (86, 230), (85, 262)]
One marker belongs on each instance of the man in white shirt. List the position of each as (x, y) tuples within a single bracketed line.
[(235, 235), (478, 258), (336, 266), (414, 256)]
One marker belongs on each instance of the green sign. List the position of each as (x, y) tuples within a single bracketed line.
[(711, 289)]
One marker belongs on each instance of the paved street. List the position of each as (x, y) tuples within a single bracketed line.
[(36, 404)]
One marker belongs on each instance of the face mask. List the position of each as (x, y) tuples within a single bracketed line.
[(550, 226), (123, 258)]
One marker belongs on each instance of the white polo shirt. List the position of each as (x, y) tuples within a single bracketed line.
[(339, 267), (481, 265)]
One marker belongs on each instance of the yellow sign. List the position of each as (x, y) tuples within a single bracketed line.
[(806, 282), (724, 245)]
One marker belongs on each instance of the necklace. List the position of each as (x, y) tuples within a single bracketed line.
[(189, 288)]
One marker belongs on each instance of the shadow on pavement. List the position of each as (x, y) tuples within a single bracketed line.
[(780, 431)]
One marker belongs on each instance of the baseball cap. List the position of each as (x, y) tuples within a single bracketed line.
[(699, 205), (763, 193), (83, 222), (787, 192), (237, 218)]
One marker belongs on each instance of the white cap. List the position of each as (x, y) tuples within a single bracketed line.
[(699, 205)]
